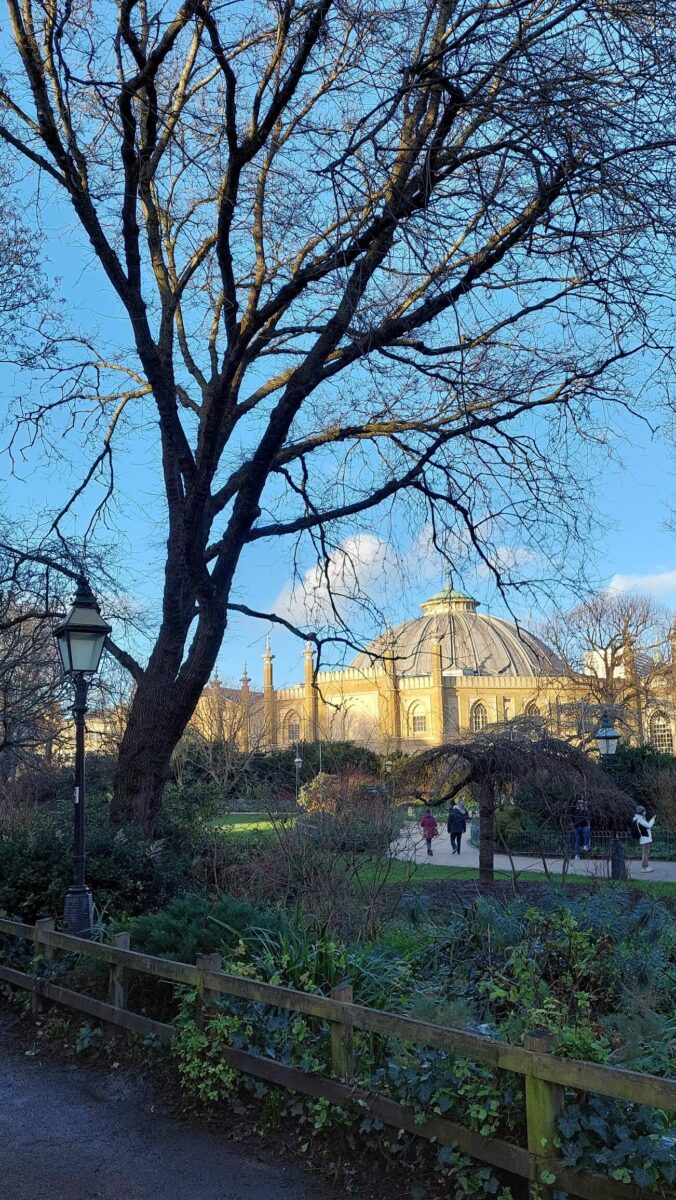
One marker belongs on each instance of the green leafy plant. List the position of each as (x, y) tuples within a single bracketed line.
[(194, 924)]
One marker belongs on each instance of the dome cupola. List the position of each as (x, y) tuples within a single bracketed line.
[(472, 643)]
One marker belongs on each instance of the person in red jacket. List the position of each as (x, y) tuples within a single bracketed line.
[(429, 827)]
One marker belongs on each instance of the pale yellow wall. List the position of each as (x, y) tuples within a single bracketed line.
[(356, 705)]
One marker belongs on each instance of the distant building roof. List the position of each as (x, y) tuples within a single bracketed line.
[(471, 642)]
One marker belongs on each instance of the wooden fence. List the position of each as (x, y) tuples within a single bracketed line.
[(545, 1075)]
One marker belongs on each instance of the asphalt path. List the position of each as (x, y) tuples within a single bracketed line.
[(70, 1132)]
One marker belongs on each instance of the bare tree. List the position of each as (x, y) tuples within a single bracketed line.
[(24, 298), (615, 649), (225, 734), (31, 691), (492, 763), (31, 682), (366, 252), (36, 585)]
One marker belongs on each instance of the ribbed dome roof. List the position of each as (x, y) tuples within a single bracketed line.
[(471, 642)]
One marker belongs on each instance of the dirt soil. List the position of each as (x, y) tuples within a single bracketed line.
[(76, 1131)]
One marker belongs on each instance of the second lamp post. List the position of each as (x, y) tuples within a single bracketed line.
[(297, 762)]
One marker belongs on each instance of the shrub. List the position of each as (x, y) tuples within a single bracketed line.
[(649, 777), (193, 924), (509, 820), (352, 792), (127, 872), (347, 832)]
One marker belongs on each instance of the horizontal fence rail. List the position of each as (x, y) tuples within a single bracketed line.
[(544, 1074)]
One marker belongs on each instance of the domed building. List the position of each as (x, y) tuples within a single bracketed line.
[(421, 683)]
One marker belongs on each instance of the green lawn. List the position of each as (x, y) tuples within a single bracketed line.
[(246, 822), (401, 872)]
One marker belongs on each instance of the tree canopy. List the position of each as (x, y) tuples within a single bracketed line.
[(367, 253)]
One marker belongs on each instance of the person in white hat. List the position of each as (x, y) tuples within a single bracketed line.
[(644, 831)]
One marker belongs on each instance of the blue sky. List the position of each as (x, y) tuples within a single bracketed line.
[(634, 551), (630, 493)]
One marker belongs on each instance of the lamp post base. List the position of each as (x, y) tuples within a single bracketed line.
[(78, 911)]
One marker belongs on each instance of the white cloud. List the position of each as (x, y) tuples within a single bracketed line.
[(422, 561), (508, 559), (360, 562), (658, 584)]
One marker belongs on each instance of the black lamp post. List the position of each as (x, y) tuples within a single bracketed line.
[(388, 771), (607, 739), (80, 637), (297, 762)]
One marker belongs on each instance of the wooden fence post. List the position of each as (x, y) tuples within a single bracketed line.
[(119, 977), (46, 952), (544, 1102), (208, 962), (342, 1038)]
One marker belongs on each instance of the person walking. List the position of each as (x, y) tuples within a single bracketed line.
[(429, 827), (457, 825), (643, 830), (581, 829)]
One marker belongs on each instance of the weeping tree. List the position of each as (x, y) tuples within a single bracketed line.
[(369, 255), (504, 757)]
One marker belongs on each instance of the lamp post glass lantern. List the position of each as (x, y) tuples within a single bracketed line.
[(297, 762), (606, 737), (80, 637)]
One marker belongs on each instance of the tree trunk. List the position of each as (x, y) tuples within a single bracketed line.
[(486, 835), (144, 760), (165, 699)]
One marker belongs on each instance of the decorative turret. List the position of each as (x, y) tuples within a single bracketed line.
[(437, 698), (267, 657), (310, 698), (393, 701), (308, 664), (244, 683), (245, 704), (269, 701)]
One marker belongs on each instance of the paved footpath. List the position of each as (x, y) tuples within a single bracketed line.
[(70, 1132), (412, 848)]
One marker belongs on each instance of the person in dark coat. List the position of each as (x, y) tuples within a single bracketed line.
[(581, 829), (457, 825)]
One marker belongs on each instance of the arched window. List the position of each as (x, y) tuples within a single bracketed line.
[(660, 733), (478, 718), (417, 721), (293, 729), (532, 710)]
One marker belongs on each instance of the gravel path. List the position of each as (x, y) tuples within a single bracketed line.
[(70, 1132)]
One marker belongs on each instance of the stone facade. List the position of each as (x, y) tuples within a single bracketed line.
[(423, 682), (429, 680)]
